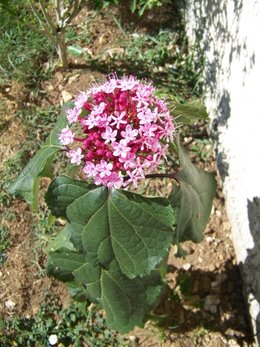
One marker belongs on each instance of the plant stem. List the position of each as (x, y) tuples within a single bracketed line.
[(61, 49)]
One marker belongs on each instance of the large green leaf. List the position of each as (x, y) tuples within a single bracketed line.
[(194, 198), (190, 112), (135, 230), (27, 182), (120, 238), (125, 301)]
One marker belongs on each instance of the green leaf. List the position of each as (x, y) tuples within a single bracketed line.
[(62, 240), (133, 6), (135, 230), (127, 302), (62, 192), (75, 50), (190, 112), (63, 262), (193, 198), (27, 182)]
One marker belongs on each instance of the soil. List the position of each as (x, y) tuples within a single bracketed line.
[(203, 305)]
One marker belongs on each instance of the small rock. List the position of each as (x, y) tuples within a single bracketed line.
[(209, 239), (73, 78), (186, 266), (218, 213), (226, 226), (174, 249), (50, 87), (66, 96), (61, 221), (88, 51), (233, 343), (53, 339), (115, 51), (211, 303), (9, 304), (59, 76)]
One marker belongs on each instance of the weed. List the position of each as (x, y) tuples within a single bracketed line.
[(4, 243), (202, 149), (39, 123), (141, 6), (22, 51), (162, 57), (11, 167), (74, 326)]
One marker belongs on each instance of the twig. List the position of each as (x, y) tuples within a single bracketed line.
[(47, 17), (165, 175)]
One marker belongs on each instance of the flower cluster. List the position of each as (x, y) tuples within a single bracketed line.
[(119, 130)]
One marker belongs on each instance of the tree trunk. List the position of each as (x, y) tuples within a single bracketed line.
[(61, 49)]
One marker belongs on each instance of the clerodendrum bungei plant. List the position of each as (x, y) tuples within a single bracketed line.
[(115, 243)]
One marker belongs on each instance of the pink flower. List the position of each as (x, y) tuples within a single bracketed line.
[(110, 86), (128, 83), (89, 169), (153, 144), (129, 134), (133, 178), (75, 156), (120, 149), (66, 136), (98, 109), (91, 121), (109, 135), (146, 115), (148, 129), (72, 114), (104, 168), (115, 181), (118, 119), (81, 99)]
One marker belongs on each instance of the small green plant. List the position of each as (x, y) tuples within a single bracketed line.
[(163, 57), (72, 326), (22, 51), (39, 121), (140, 6), (4, 243)]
